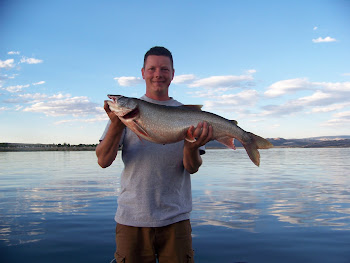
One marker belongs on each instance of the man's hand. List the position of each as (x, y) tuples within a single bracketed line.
[(203, 134), (112, 116)]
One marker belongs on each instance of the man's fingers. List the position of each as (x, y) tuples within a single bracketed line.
[(106, 107)]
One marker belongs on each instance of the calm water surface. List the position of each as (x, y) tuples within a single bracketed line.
[(59, 207)]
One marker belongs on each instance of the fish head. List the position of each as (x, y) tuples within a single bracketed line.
[(123, 107)]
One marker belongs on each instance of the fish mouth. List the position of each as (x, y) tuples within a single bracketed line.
[(114, 97)]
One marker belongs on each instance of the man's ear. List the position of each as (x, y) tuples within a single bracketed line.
[(143, 72)]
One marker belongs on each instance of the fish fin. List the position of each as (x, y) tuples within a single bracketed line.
[(189, 135), (140, 130), (234, 121), (256, 142), (227, 141), (193, 107)]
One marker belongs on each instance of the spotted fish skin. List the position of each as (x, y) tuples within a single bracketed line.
[(168, 124)]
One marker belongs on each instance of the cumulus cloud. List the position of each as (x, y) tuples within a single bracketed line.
[(102, 117), (13, 52), (246, 97), (30, 60), (324, 40), (251, 71), (328, 97), (317, 98), (128, 81), (281, 110), (184, 79), (3, 109), (39, 83), (16, 88), (60, 105), (329, 108), (287, 86), (9, 63), (221, 81), (335, 86), (222, 102), (339, 119)]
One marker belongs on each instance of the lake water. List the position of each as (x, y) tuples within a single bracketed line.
[(295, 207)]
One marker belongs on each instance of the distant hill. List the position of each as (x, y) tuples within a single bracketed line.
[(313, 142), (16, 147)]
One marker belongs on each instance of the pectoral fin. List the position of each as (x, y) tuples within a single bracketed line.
[(140, 130), (189, 135)]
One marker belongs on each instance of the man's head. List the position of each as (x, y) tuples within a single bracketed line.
[(159, 51), (158, 72)]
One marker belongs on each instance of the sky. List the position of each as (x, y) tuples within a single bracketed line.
[(280, 68)]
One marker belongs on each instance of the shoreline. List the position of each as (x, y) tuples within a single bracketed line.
[(93, 148)]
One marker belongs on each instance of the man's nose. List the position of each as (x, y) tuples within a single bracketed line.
[(158, 72)]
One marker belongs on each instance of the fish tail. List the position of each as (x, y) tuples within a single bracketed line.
[(252, 145)]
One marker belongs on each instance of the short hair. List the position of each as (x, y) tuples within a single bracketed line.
[(158, 51)]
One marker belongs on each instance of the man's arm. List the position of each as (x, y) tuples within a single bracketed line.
[(192, 159), (107, 149)]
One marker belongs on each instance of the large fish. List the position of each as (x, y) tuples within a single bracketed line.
[(167, 124)]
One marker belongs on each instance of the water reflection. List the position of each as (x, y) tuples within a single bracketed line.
[(299, 187), (292, 187), (38, 186)]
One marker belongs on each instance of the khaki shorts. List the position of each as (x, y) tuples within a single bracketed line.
[(169, 244)]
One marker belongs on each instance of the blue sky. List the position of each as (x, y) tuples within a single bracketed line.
[(280, 68)]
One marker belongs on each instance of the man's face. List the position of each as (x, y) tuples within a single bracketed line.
[(158, 74)]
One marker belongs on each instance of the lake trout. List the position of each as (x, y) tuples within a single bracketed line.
[(169, 124)]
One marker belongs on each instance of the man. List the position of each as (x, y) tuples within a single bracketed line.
[(155, 200)]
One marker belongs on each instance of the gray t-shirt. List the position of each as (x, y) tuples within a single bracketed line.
[(155, 187)]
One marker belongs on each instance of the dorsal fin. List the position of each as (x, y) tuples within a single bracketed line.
[(193, 107)]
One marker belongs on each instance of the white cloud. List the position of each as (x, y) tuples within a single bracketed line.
[(318, 97), (102, 117), (287, 86), (3, 109), (328, 97), (18, 107), (30, 60), (13, 53), (336, 86), (346, 74), (222, 102), (344, 114), (60, 105), (315, 27), (221, 81), (324, 40), (329, 108), (9, 63), (340, 119), (16, 88), (183, 79), (38, 83), (128, 81), (251, 71), (281, 110)]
